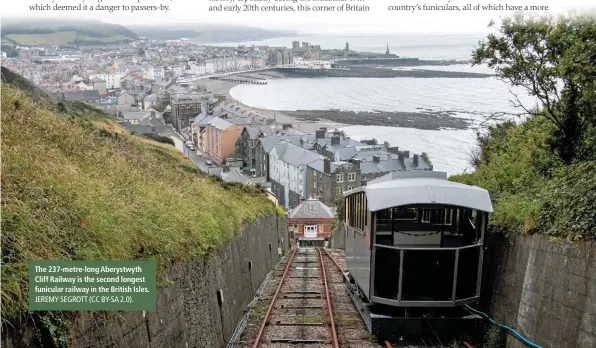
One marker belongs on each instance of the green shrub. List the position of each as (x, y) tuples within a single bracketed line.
[(159, 138), (531, 189)]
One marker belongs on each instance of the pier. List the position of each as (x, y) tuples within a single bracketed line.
[(237, 80)]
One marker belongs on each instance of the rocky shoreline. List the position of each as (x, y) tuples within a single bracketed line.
[(310, 120), (429, 120)]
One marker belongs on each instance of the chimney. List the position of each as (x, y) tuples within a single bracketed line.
[(335, 140), (376, 159), (337, 133), (320, 134), (407, 154), (400, 157), (326, 166), (301, 142), (416, 157), (393, 149), (324, 129)]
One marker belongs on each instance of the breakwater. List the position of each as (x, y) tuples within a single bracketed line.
[(397, 62), (367, 72), (251, 81)]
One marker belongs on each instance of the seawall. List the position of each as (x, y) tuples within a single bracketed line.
[(544, 290), (190, 312)]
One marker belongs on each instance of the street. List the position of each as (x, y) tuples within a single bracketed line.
[(200, 161)]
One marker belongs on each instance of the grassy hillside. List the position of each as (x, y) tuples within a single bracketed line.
[(36, 31), (75, 185)]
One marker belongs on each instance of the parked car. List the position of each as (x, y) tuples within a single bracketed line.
[(189, 143), (191, 146), (209, 162)]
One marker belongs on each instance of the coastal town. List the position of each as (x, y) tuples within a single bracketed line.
[(266, 188), (180, 90)]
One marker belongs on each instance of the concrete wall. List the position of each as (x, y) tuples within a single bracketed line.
[(188, 313), (544, 290), (338, 238)]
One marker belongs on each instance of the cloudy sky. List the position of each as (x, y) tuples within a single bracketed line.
[(379, 20)]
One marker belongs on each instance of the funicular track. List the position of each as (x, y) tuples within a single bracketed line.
[(307, 306)]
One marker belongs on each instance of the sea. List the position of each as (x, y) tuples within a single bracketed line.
[(475, 99)]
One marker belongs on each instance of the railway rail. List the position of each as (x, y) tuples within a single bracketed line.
[(306, 305)]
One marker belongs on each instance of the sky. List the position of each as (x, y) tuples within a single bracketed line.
[(379, 20)]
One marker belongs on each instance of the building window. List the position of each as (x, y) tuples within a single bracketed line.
[(310, 231), (351, 176), (314, 184), (339, 190), (425, 215), (339, 177), (350, 188)]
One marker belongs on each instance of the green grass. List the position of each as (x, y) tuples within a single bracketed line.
[(38, 39), (531, 189), (75, 185)]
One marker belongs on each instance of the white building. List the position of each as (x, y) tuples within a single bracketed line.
[(314, 64), (209, 66), (287, 172), (112, 80)]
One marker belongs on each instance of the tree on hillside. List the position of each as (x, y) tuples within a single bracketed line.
[(554, 60)]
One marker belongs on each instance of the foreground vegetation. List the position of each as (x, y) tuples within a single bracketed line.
[(75, 185), (541, 173)]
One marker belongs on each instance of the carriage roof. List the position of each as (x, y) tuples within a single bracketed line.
[(408, 188)]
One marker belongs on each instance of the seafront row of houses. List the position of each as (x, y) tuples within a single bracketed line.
[(296, 165)]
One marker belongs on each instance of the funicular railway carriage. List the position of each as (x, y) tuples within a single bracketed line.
[(414, 249)]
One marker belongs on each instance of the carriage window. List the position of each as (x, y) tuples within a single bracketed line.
[(448, 216), (404, 213), (425, 215)]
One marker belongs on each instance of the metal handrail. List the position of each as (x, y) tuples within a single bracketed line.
[(478, 244)]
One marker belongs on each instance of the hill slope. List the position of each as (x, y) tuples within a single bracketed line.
[(26, 31), (75, 185)]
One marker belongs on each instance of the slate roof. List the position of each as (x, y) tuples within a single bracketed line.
[(242, 120), (82, 95), (381, 167), (346, 153), (319, 165), (295, 155), (256, 131), (269, 142), (311, 209), (219, 123), (136, 115)]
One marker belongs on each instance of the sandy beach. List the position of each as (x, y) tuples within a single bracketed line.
[(224, 87)]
